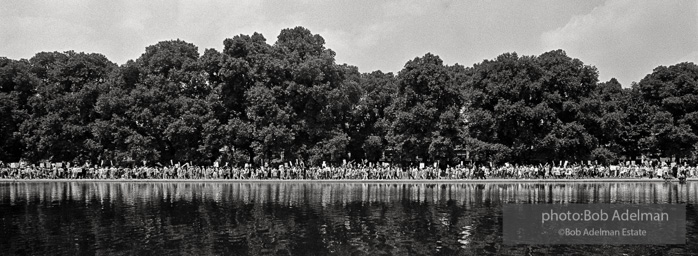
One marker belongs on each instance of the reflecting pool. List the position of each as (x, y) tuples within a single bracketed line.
[(303, 218)]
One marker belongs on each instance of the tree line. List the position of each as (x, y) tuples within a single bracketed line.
[(255, 102)]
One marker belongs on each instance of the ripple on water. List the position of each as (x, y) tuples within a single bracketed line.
[(308, 218)]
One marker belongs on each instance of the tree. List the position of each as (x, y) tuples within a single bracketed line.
[(17, 84), (368, 126), (310, 81), (170, 106), (281, 102), (425, 115), (527, 108), (674, 90), (63, 106), (257, 102)]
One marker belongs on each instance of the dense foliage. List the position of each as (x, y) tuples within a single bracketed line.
[(290, 102)]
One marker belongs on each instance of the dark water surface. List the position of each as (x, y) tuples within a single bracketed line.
[(71, 218)]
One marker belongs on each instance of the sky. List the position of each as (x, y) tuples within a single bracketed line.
[(623, 39)]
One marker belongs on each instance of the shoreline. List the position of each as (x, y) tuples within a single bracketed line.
[(273, 181)]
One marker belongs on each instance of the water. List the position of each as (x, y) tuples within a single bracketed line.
[(303, 218)]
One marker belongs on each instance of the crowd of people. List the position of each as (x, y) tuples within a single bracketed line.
[(352, 172)]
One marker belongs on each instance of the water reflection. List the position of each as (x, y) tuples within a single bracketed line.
[(323, 195), (298, 218)]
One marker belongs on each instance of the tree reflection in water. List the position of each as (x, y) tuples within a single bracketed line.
[(300, 218)]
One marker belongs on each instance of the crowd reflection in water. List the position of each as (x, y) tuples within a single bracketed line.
[(287, 218), (290, 194)]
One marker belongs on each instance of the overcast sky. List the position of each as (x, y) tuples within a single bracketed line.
[(623, 39)]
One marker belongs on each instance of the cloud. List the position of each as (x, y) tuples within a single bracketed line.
[(408, 8), (691, 57), (624, 39), (120, 29), (627, 39)]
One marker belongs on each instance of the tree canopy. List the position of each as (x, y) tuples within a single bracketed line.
[(261, 103)]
